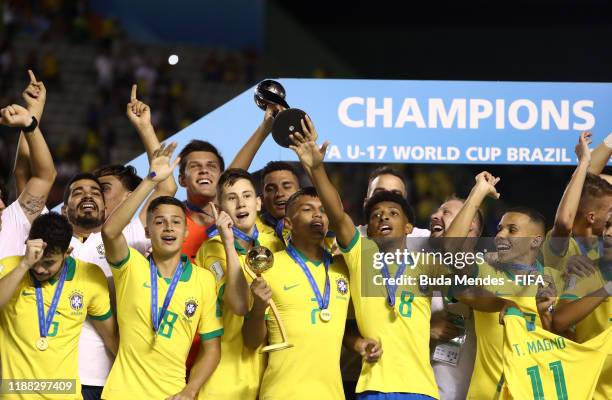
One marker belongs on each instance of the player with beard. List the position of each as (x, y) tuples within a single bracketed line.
[(239, 372), (396, 315), (155, 340), (17, 216), (581, 215), (520, 234), (310, 289), (63, 291), (199, 171), (452, 376)]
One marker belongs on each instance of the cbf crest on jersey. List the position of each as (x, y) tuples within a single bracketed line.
[(76, 300), (191, 306), (342, 285)]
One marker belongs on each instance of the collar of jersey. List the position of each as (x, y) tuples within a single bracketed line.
[(304, 257), (186, 270), (71, 265), (537, 264)]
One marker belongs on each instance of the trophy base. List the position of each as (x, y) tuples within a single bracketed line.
[(276, 347)]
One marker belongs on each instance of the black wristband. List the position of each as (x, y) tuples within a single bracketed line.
[(32, 126)]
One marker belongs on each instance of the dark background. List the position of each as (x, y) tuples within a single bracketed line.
[(72, 45)]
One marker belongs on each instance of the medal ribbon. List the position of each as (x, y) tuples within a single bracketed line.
[(584, 251), (192, 207), (323, 301), (156, 318), (45, 323), (213, 231), (392, 289)]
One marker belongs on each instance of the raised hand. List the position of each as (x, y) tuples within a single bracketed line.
[(224, 225), (305, 146), (15, 116), (35, 249), (160, 167), (271, 111), (35, 96), (485, 182), (138, 112), (582, 148)]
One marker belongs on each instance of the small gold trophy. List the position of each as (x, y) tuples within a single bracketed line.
[(260, 259)]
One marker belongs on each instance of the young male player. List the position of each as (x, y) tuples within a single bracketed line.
[(199, 171), (519, 237), (162, 301), (311, 291), (239, 372), (396, 315), (581, 215), (86, 209), (45, 296), (17, 217)]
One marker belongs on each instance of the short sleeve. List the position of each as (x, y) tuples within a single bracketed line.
[(352, 253), (99, 307), (136, 237), (119, 270), (14, 231), (8, 264), (211, 257), (551, 258), (210, 325)]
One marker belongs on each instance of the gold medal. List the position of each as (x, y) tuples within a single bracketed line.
[(325, 315), (42, 344)]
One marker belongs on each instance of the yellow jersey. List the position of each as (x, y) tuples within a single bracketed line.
[(541, 365), (266, 229), (593, 324), (85, 294), (558, 261), (154, 367), (489, 333), (403, 330), (311, 368), (239, 372)]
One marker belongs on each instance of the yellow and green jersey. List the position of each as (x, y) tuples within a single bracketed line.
[(593, 324), (541, 365), (489, 333), (402, 330), (270, 231), (558, 261), (85, 294), (311, 368), (150, 366), (239, 372)]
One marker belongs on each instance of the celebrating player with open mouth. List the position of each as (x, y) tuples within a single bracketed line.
[(162, 301)]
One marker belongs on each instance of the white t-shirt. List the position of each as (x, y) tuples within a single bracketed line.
[(454, 381), (14, 231), (95, 361)]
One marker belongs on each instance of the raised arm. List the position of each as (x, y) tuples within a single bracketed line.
[(21, 169), (112, 232), (35, 96), (568, 206), (311, 157), (139, 115), (10, 282), (601, 155), (236, 294), (245, 155), (460, 227)]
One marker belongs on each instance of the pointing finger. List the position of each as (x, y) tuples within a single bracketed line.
[(32, 77), (133, 95)]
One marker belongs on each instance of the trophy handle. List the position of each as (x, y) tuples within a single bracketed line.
[(284, 344)]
